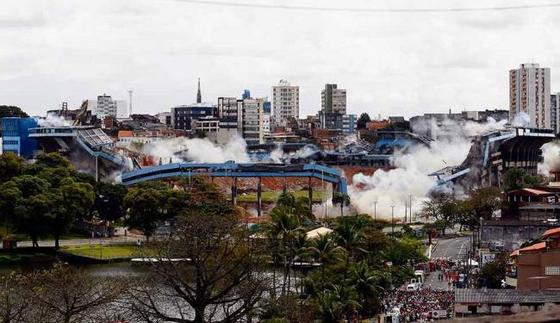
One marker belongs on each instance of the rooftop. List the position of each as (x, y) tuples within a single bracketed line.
[(506, 296)]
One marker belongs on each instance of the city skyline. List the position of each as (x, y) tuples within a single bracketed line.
[(432, 63)]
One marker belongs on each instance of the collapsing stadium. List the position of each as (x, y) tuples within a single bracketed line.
[(356, 153), (493, 154)]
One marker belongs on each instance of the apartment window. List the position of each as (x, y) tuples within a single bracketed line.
[(552, 271)]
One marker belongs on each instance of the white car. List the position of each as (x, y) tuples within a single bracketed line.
[(413, 287)]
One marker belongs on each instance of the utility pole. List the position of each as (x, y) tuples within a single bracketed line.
[(410, 207), (375, 210), (393, 220), (129, 102), (405, 211)]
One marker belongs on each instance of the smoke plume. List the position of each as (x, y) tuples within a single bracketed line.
[(409, 179), (197, 150), (551, 158)]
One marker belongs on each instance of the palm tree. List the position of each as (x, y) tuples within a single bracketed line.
[(342, 199), (368, 285), (348, 236), (324, 249), (336, 302), (285, 228)]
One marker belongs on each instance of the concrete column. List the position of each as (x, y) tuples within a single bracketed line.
[(234, 191), (310, 194), (259, 198), (96, 168)]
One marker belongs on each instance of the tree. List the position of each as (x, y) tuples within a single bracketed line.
[(11, 165), (73, 200), (405, 251), (14, 302), (145, 209), (492, 273), (10, 197), (516, 178), (222, 280), (284, 229), (324, 249), (68, 294), (484, 201), (336, 302), (35, 216), (11, 111), (342, 199), (109, 201), (443, 208), (363, 120), (368, 285)]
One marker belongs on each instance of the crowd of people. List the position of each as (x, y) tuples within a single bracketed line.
[(420, 305)]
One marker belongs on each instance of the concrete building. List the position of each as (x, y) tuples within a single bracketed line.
[(349, 124), (285, 100), (537, 266), (15, 136), (206, 125), (555, 112), (529, 92), (333, 99), (105, 106), (182, 116), (164, 118), (252, 120), (333, 107)]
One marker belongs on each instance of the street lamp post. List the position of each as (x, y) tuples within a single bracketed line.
[(393, 219)]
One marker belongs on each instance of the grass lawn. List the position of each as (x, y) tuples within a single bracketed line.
[(272, 196), (96, 251)]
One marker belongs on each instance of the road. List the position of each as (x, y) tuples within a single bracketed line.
[(86, 241), (454, 249)]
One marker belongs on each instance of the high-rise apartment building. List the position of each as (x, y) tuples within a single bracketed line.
[(333, 99), (252, 120), (285, 102), (105, 106), (555, 112), (529, 92)]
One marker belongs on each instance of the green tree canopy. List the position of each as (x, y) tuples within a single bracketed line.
[(363, 120), (11, 165), (11, 111)]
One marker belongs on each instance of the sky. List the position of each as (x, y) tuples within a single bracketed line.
[(391, 63)]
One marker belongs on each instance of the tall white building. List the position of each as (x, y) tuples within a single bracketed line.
[(285, 102), (529, 92), (105, 106)]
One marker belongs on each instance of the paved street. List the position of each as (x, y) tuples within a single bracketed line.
[(451, 248), (454, 249), (78, 242)]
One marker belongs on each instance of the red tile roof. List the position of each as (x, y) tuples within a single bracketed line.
[(534, 247), (551, 232)]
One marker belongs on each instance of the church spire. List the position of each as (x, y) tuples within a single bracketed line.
[(198, 94)]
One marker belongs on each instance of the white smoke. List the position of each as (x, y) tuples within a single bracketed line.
[(197, 150), (409, 179), (551, 158), (52, 120), (279, 156), (521, 119)]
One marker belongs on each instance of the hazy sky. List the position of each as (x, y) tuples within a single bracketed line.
[(390, 63)]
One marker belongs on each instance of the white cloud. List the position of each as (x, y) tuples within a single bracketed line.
[(69, 50)]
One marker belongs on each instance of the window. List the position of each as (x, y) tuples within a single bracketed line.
[(552, 271)]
